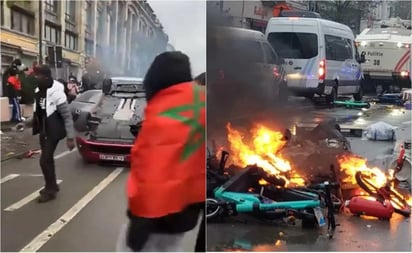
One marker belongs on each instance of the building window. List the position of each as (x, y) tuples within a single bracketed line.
[(70, 11), (51, 5), (70, 41), (52, 34), (89, 16), (22, 22), (89, 47)]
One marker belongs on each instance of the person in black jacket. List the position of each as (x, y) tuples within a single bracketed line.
[(53, 122)]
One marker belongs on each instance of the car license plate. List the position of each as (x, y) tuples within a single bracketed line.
[(319, 216), (117, 158)]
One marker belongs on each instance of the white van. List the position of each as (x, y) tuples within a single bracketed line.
[(321, 56)]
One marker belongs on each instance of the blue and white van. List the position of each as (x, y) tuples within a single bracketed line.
[(320, 56)]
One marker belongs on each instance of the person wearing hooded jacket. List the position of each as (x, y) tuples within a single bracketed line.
[(53, 122), (166, 184)]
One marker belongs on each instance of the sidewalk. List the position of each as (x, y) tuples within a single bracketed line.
[(15, 144)]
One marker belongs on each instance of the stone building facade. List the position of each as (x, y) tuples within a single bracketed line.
[(122, 35)]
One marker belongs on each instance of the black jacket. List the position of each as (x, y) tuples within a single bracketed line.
[(58, 122)]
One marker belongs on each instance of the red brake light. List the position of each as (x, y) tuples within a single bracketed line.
[(322, 70), (276, 72)]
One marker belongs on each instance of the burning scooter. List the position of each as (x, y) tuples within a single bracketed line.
[(255, 191), (382, 199)]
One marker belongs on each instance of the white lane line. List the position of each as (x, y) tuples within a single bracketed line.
[(64, 153), (8, 178), (19, 204), (12, 176), (47, 234)]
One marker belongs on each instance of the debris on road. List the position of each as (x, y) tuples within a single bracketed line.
[(32, 152), (380, 131)]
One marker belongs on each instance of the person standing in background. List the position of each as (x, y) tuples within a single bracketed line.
[(72, 89), (13, 85)]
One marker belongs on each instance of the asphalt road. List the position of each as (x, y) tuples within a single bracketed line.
[(86, 216), (354, 233)]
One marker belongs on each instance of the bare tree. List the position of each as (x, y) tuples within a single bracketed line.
[(345, 11)]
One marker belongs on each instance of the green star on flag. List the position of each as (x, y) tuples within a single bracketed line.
[(197, 132)]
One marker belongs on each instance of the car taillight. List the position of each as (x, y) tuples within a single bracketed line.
[(322, 70), (276, 73)]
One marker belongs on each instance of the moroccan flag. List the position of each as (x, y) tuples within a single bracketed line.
[(168, 161)]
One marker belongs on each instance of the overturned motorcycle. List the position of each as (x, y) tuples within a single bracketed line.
[(255, 192)]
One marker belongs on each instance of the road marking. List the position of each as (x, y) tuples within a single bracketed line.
[(8, 178), (64, 153), (19, 204), (47, 234)]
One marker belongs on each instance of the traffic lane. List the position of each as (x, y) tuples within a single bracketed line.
[(353, 234), (104, 217), (96, 228), (33, 218), (32, 164)]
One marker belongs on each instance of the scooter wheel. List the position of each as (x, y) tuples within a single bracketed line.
[(213, 209)]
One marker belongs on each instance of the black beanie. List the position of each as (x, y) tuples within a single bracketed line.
[(167, 69)]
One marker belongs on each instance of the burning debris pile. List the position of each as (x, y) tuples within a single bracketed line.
[(351, 165), (270, 150), (264, 151)]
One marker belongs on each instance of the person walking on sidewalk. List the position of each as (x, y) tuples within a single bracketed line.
[(53, 122), (166, 196)]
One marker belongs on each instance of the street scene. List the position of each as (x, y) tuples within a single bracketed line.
[(66, 188), (315, 155)]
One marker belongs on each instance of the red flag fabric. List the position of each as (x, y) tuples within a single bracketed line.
[(168, 170)]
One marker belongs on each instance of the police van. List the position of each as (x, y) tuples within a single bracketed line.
[(320, 56), (387, 53)]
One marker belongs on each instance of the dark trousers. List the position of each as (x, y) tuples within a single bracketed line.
[(16, 110), (48, 147), (201, 236)]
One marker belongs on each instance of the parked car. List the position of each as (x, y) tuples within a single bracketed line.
[(108, 120), (244, 69)]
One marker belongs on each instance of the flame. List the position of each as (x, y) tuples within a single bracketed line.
[(263, 151), (350, 164)]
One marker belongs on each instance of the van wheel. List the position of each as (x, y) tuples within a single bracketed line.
[(333, 96), (358, 96)]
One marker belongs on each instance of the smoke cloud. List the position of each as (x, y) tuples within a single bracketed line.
[(185, 23)]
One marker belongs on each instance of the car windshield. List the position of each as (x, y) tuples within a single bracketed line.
[(292, 45)]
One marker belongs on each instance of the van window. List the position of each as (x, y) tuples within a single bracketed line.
[(271, 57), (337, 48), (244, 51), (294, 45)]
